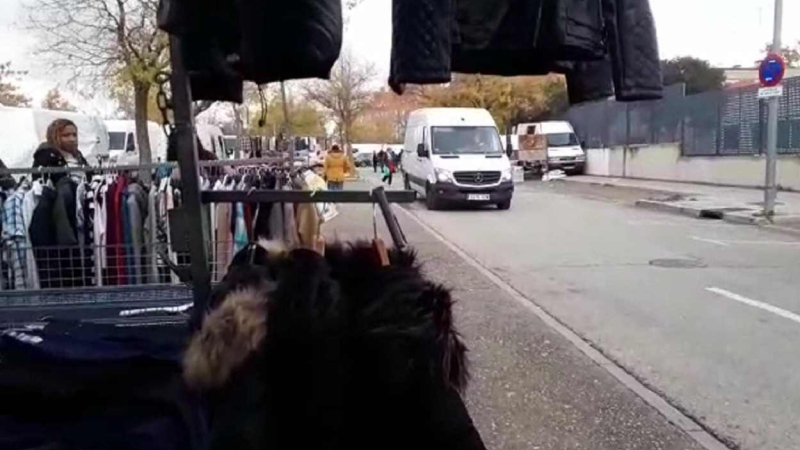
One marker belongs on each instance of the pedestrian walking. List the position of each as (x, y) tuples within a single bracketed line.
[(336, 167), (388, 171), (382, 160), (375, 162)]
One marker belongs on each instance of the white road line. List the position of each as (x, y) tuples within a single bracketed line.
[(756, 304), (765, 242), (711, 241)]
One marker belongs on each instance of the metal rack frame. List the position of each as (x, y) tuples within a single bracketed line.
[(194, 197)]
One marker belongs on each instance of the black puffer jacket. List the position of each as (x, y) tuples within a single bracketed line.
[(262, 41), (302, 351), (48, 156), (594, 42)]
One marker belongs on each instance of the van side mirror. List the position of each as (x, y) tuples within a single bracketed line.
[(583, 145), (509, 149), (422, 152)]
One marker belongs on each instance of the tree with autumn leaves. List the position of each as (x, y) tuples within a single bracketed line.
[(509, 100)]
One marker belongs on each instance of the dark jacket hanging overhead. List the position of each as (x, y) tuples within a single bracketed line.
[(290, 39), (256, 40), (594, 42)]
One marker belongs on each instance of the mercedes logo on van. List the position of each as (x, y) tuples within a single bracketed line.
[(478, 178)]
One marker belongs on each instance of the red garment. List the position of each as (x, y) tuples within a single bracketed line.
[(114, 239)]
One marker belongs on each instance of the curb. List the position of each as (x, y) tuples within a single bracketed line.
[(733, 218)]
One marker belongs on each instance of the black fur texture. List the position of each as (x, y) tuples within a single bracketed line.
[(354, 355)]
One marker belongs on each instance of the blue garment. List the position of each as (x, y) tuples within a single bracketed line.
[(240, 238), (14, 239), (98, 387)]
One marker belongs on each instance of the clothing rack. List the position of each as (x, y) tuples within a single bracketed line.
[(194, 197), (133, 168)]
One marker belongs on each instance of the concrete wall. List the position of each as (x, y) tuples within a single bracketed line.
[(664, 162)]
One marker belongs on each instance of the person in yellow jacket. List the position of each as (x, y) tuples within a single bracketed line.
[(337, 166)]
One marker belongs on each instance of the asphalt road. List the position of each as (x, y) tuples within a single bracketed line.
[(703, 312)]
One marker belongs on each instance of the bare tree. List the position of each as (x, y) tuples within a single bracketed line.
[(9, 92), (53, 100), (109, 43), (345, 95)]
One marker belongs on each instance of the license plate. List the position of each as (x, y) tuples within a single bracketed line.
[(478, 197)]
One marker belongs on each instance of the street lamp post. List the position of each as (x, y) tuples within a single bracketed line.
[(770, 185)]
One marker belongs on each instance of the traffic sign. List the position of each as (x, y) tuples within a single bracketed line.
[(772, 70), (771, 91)]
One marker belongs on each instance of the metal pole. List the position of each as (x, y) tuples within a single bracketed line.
[(190, 178), (770, 186)]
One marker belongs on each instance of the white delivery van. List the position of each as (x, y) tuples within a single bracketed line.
[(454, 155), (563, 147), (122, 144)]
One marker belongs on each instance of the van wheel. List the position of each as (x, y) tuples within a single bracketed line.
[(431, 201), (504, 206), (406, 182)]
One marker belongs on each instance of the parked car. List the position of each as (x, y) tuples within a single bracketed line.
[(454, 155), (363, 159)]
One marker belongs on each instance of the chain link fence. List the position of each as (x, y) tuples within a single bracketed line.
[(728, 122)]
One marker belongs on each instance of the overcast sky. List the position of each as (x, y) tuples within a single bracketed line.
[(725, 32)]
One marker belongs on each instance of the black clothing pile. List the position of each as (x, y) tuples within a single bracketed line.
[(333, 352), (593, 42), (97, 387), (604, 47)]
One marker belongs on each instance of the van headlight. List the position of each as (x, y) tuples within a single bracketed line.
[(444, 176), (506, 175)]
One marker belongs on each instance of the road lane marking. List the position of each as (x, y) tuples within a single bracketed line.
[(756, 304), (765, 242), (691, 427), (711, 241), (729, 242)]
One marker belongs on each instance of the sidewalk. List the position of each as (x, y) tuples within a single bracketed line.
[(737, 205), (531, 387)]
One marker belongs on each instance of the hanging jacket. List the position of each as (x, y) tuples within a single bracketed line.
[(224, 43), (368, 355), (595, 43)]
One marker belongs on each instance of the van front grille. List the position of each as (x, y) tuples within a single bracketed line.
[(477, 178)]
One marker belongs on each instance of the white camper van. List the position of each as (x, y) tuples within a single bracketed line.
[(564, 150), (23, 129), (122, 144), (454, 155)]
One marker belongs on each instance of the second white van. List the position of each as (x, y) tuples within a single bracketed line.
[(455, 155)]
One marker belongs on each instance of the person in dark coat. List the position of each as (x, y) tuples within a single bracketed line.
[(54, 220), (60, 149)]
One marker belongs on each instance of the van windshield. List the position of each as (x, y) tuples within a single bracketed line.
[(116, 140), (465, 140), (562, 140)]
